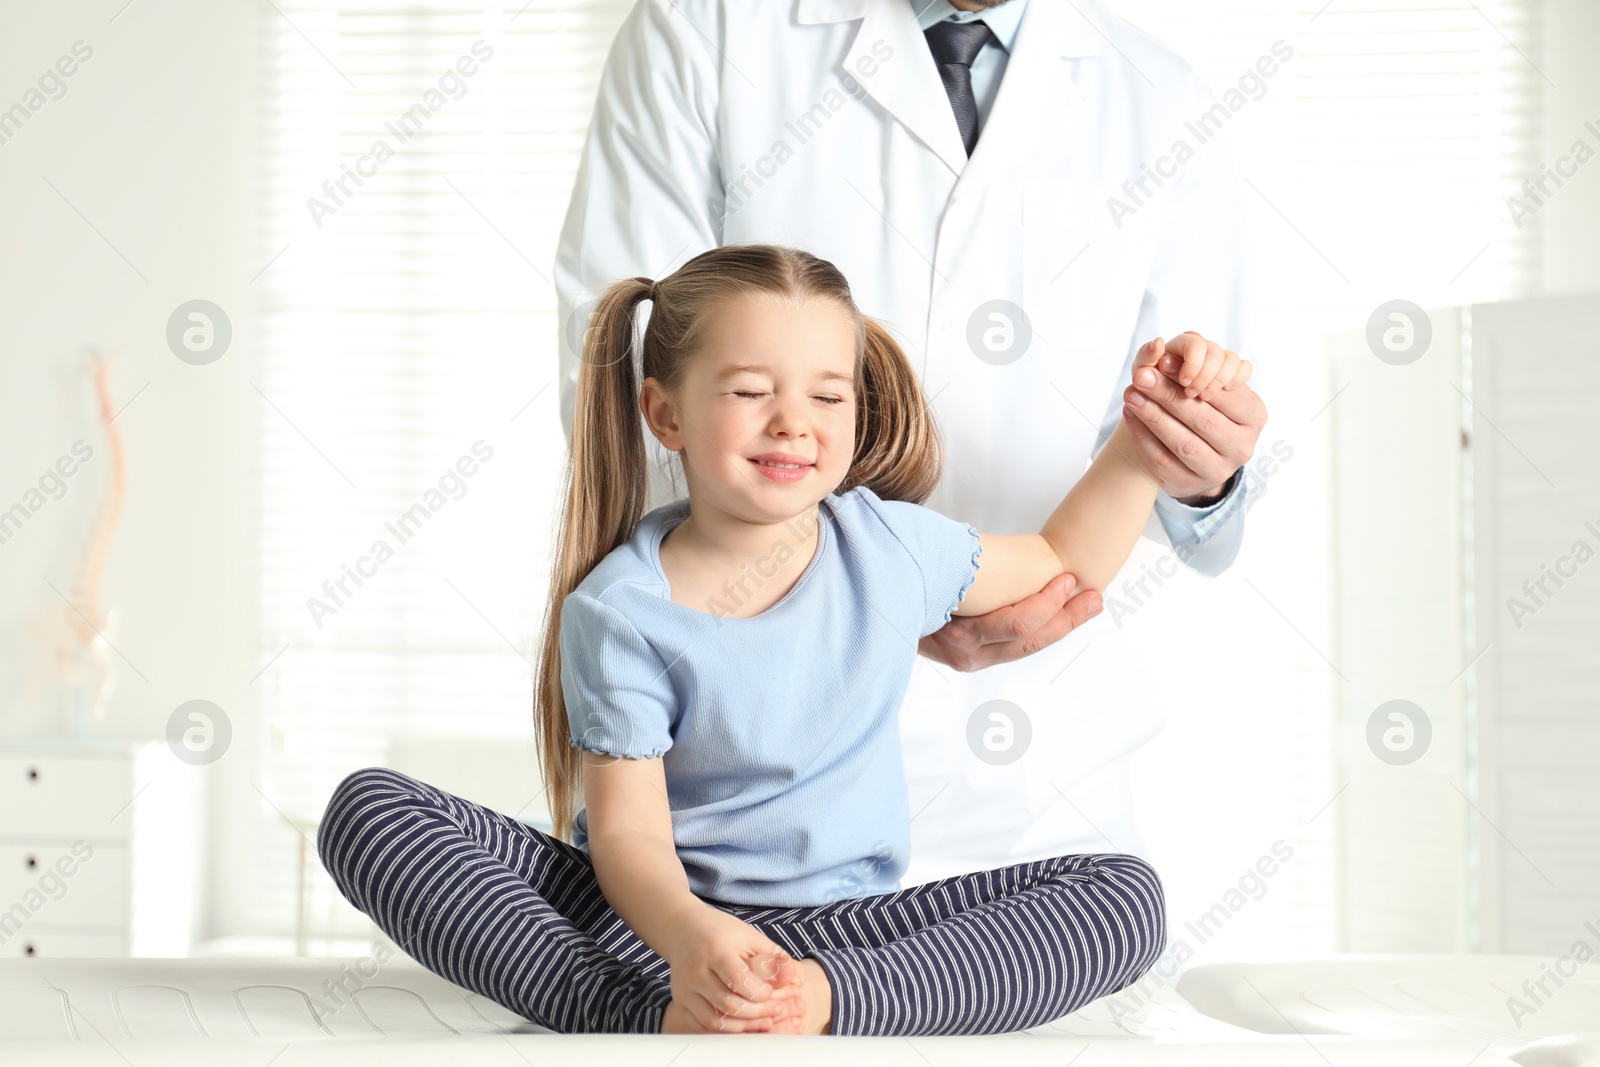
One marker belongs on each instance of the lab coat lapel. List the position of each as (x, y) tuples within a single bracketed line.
[(1037, 105), (908, 87)]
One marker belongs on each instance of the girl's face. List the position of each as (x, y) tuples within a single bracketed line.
[(765, 413)]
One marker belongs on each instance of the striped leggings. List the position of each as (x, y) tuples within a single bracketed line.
[(517, 916)]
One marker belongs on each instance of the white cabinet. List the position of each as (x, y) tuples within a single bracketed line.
[(1467, 577), (99, 850), (65, 850)]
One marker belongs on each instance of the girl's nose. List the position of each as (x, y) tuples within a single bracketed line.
[(791, 419)]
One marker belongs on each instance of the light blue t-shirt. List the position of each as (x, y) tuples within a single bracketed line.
[(779, 732)]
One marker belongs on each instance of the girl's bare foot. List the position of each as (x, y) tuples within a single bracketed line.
[(816, 998), (677, 1020)]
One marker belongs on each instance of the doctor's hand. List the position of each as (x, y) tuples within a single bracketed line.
[(1192, 430), (973, 642)]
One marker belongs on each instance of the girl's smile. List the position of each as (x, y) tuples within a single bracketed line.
[(783, 467), (764, 415)]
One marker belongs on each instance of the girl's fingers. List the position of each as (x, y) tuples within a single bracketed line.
[(1242, 375), (790, 974), (1224, 375), (725, 1001), (779, 970), (743, 983), (769, 966), (723, 1011), (734, 989), (716, 1021), (745, 1008), (1191, 348), (783, 973), (1208, 371)]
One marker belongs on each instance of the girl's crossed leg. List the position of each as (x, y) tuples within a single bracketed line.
[(517, 916)]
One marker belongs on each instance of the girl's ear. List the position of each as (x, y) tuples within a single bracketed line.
[(660, 415)]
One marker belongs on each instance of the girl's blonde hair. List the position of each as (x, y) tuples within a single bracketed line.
[(897, 450)]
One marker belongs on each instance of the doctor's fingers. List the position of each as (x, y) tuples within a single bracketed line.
[(1073, 614), (1209, 420), (1240, 405), (1175, 476), (1150, 354), (1180, 444), (973, 642)]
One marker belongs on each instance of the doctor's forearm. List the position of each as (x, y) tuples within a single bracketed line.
[(1096, 526)]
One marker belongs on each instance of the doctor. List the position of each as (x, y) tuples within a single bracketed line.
[(958, 164)]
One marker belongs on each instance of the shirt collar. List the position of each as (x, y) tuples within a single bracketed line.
[(1002, 19)]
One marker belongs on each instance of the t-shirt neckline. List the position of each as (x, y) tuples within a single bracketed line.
[(668, 522)]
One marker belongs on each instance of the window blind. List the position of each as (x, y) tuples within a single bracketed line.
[(407, 332), (407, 325)]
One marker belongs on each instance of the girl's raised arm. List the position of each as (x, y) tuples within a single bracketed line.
[(1089, 535)]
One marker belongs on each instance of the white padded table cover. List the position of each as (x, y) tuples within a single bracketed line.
[(1496, 1001), (254, 1012)]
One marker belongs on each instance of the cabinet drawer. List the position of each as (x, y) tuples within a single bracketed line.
[(53, 944), (47, 794), (34, 892)]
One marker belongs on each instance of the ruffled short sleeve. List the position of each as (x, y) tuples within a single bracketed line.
[(944, 553), (620, 700)]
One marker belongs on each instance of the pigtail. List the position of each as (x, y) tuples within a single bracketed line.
[(606, 486), (898, 451)]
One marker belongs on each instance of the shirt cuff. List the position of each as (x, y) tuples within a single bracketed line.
[(1192, 529)]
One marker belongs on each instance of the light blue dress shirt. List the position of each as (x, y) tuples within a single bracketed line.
[(1198, 535)]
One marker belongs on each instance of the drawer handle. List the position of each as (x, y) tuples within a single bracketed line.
[(32, 862), (33, 774), (28, 949)]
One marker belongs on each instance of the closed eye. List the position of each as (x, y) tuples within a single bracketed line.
[(825, 399)]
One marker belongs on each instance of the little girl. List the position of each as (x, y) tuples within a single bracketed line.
[(722, 679)]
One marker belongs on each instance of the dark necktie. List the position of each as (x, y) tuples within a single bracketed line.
[(955, 45)]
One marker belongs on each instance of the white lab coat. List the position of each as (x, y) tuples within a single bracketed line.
[(823, 124)]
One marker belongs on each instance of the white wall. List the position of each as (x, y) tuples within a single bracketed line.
[(1422, 869), (153, 144), (1571, 222)]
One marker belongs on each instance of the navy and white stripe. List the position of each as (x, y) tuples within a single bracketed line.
[(513, 914)]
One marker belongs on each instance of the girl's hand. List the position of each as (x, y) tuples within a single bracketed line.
[(1203, 368), (732, 979)]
